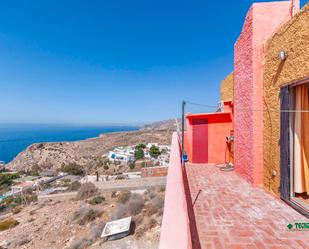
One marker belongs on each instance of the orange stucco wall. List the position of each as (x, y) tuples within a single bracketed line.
[(293, 37)]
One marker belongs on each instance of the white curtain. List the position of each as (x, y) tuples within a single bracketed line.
[(301, 140)]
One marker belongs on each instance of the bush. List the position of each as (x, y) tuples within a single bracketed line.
[(17, 210), (85, 215), (158, 202), (31, 198), (86, 190), (138, 154), (151, 209), (7, 179), (140, 146), (136, 204), (7, 224), (131, 165), (154, 151), (96, 200), (73, 169), (129, 204), (34, 171), (124, 196), (151, 224), (74, 186), (79, 244)]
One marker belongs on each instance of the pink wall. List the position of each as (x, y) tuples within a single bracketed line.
[(175, 230), (261, 22)]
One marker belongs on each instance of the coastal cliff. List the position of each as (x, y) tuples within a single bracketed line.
[(86, 153)]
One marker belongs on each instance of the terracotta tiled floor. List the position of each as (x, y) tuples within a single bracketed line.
[(230, 213)]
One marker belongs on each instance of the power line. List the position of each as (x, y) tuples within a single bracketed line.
[(250, 109)]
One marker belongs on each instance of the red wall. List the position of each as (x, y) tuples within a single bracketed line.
[(205, 139)]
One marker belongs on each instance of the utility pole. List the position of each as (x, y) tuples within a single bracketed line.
[(183, 131)]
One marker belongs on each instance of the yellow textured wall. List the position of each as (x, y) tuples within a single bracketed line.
[(227, 86), (292, 37)]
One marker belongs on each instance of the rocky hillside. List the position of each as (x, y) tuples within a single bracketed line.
[(86, 153), (169, 124)]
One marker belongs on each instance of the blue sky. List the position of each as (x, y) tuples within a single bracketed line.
[(113, 61)]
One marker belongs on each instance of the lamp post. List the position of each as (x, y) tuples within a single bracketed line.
[(183, 131)]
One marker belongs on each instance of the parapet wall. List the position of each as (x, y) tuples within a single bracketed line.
[(175, 229)]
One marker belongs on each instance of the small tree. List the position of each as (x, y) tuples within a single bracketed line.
[(139, 154), (140, 146), (154, 151)]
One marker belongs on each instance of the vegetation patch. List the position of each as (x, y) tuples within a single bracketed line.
[(73, 169), (7, 224), (86, 191), (96, 200), (85, 215)]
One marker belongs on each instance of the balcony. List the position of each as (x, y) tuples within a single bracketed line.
[(206, 207)]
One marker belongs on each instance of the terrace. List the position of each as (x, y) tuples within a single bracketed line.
[(206, 207)]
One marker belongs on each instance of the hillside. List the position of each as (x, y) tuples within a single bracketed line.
[(86, 152), (169, 124)]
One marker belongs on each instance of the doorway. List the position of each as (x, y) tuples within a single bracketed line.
[(294, 145)]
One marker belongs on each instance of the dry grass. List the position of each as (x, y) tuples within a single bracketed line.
[(8, 223), (85, 215), (86, 190), (124, 196), (17, 209)]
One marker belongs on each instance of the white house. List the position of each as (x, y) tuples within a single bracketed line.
[(120, 156)]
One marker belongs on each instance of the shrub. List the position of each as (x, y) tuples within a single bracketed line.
[(138, 154), (154, 151), (140, 146), (139, 232), (151, 224), (85, 215), (114, 194), (150, 210), (124, 196), (74, 186), (34, 171), (79, 244), (73, 169), (96, 200), (120, 212), (7, 179), (20, 241), (138, 219), (17, 210), (7, 224), (131, 165), (86, 190), (158, 202), (31, 198), (135, 204), (120, 177)]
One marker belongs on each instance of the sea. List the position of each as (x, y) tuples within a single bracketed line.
[(15, 138)]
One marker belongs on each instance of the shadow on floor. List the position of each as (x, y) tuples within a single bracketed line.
[(193, 228)]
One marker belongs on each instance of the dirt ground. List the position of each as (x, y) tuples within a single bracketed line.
[(51, 224)]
